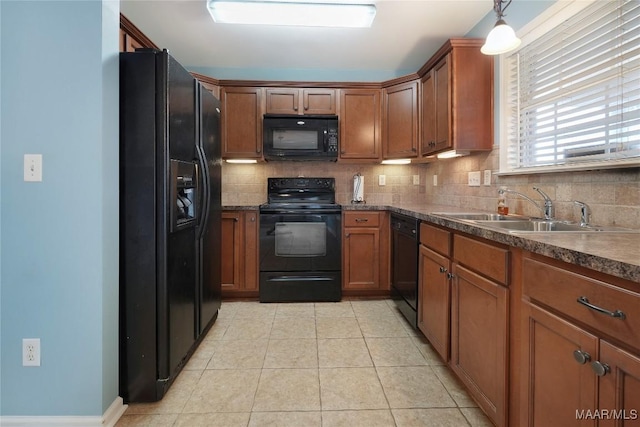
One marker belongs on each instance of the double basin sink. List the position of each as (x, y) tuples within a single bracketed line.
[(521, 224)]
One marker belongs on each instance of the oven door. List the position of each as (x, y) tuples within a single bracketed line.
[(300, 256), (300, 241)]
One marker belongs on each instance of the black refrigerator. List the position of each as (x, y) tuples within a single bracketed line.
[(170, 220)]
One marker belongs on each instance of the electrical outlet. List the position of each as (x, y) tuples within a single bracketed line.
[(31, 352), (382, 180), (487, 177), (435, 180), (416, 179), (474, 179)]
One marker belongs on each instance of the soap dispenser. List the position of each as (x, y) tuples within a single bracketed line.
[(503, 206)]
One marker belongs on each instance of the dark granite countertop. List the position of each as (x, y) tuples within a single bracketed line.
[(617, 254)]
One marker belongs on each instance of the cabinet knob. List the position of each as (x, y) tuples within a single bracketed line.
[(450, 276), (295, 108), (601, 369), (347, 235), (253, 219), (443, 270), (581, 357), (342, 151), (259, 150)]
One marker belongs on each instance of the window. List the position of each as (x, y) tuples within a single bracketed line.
[(572, 94)]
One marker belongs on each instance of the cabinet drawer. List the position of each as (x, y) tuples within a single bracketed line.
[(492, 261), (361, 219), (436, 238), (560, 290)]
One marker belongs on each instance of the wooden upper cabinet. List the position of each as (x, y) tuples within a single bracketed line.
[(131, 38), (360, 119), (457, 99), (301, 101), (242, 111), (400, 134)]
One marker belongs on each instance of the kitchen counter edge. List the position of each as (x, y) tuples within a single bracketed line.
[(616, 254)]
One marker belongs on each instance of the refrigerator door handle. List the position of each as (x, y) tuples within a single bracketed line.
[(206, 190)]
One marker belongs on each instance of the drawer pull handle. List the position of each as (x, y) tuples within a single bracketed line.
[(362, 219), (617, 314), (443, 270), (601, 369), (581, 357)]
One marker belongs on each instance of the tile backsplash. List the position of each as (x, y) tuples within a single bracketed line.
[(613, 195)]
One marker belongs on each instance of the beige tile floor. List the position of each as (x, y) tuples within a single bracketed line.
[(352, 363)]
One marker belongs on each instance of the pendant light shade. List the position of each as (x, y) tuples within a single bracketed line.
[(501, 38)]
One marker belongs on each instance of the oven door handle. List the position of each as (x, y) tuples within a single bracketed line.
[(300, 211), (297, 278)]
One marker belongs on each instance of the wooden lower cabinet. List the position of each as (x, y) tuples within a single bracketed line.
[(555, 385), (479, 344), (435, 300), (580, 366), (619, 388), (365, 253), (240, 254)]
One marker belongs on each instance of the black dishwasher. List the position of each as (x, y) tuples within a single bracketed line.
[(404, 265)]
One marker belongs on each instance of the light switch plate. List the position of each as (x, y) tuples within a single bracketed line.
[(435, 180), (416, 179), (33, 167), (474, 179), (382, 180)]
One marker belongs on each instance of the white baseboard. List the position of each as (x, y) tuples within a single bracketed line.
[(108, 419)]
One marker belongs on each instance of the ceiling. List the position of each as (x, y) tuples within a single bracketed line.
[(404, 35)]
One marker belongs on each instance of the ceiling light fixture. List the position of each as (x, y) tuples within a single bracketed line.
[(292, 13), (501, 38)]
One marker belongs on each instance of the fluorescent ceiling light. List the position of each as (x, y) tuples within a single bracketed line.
[(396, 162), (291, 13), (241, 161)]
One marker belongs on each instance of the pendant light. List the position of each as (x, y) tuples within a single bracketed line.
[(502, 38)]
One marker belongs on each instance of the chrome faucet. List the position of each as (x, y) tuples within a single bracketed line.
[(548, 209), (585, 213)]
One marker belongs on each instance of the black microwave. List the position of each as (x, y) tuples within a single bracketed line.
[(300, 137)]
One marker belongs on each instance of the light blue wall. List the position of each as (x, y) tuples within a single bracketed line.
[(59, 249)]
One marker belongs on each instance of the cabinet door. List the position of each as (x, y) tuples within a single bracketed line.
[(619, 388), (428, 141), (283, 101), (555, 386), (361, 264), (479, 317), (241, 122), (232, 238), (360, 124), (435, 300), (443, 107), (319, 101), (401, 121), (250, 256)]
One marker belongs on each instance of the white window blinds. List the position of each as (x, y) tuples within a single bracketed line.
[(574, 94)]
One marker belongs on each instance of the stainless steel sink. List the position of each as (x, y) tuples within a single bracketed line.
[(541, 226), (481, 216)]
